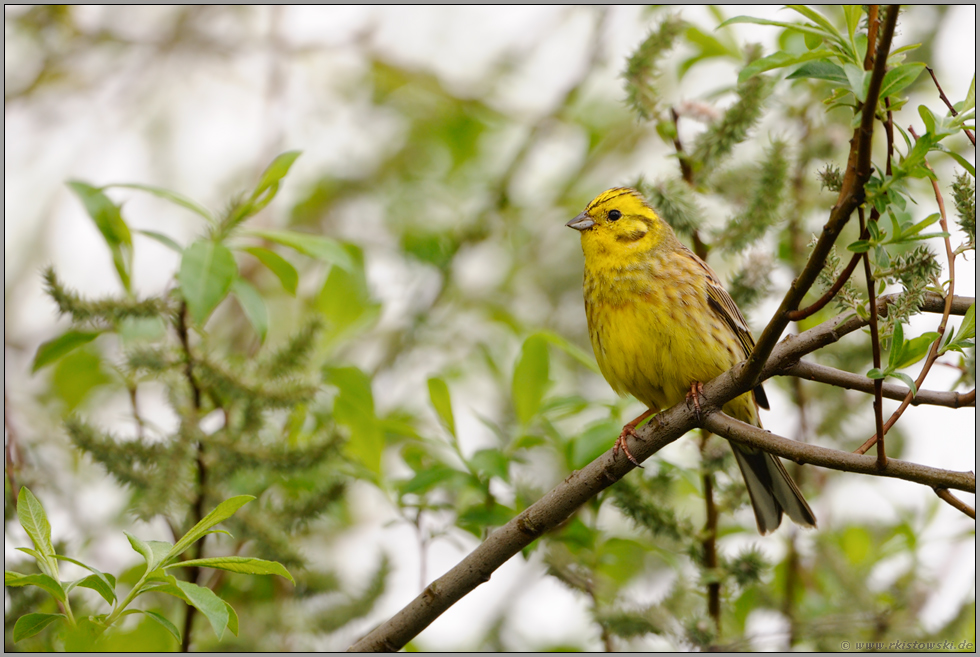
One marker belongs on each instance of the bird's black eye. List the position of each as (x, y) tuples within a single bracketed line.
[(614, 215)]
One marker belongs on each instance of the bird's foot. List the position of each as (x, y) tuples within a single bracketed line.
[(628, 430), (696, 389)]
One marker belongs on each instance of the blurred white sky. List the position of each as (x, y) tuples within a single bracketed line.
[(205, 126)]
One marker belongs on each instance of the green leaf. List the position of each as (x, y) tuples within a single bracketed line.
[(159, 618), (962, 161), (278, 265), (428, 478), (207, 270), (354, 409), (906, 379), (814, 16), (916, 349), (108, 219), (491, 463), (108, 579), (798, 27), (345, 299), (780, 60), (530, 378), (254, 306), (875, 374), (275, 172), (928, 118), (899, 78), (34, 553), (167, 195), (583, 357), (166, 240), (232, 618), (220, 531), (40, 580), (153, 552), (245, 565), (220, 513), (439, 396), (315, 246), (100, 586), (858, 80), (30, 624), (34, 520), (852, 16), (592, 442), (971, 97), (820, 70), (207, 603), (860, 246), (84, 636), (966, 334), (897, 351), (52, 350)]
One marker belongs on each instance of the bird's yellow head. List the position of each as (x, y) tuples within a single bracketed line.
[(618, 222)]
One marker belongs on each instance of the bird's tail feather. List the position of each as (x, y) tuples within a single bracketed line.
[(771, 490)]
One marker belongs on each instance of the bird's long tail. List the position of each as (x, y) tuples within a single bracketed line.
[(771, 490)]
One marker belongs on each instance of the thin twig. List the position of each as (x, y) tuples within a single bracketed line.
[(941, 329), (197, 510), (803, 313), (708, 545), (850, 381), (687, 173), (942, 96), (882, 459), (140, 424), (955, 502)]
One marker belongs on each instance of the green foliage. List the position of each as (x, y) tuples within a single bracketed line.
[(87, 633), (406, 334)]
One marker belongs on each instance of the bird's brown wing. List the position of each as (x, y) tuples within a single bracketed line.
[(724, 306)]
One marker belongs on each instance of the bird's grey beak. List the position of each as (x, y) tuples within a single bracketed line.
[(581, 222)]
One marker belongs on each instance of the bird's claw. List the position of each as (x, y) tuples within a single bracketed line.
[(621, 442), (696, 389)]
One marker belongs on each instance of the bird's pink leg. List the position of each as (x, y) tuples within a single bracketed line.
[(630, 430)]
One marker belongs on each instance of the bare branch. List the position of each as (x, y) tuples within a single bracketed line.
[(841, 379), (835, 459), (954, 502), (875, 354), (803, 313)]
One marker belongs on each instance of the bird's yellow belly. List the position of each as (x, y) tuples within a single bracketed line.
[(655, 351)]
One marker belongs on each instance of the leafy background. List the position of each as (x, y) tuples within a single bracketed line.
[(445, 149)]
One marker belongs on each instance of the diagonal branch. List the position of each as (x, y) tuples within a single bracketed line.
[(581, 486)]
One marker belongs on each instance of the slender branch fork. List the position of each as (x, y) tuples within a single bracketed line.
[(581, 486)]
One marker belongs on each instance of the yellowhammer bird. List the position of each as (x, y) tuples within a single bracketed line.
[(661, 324)]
